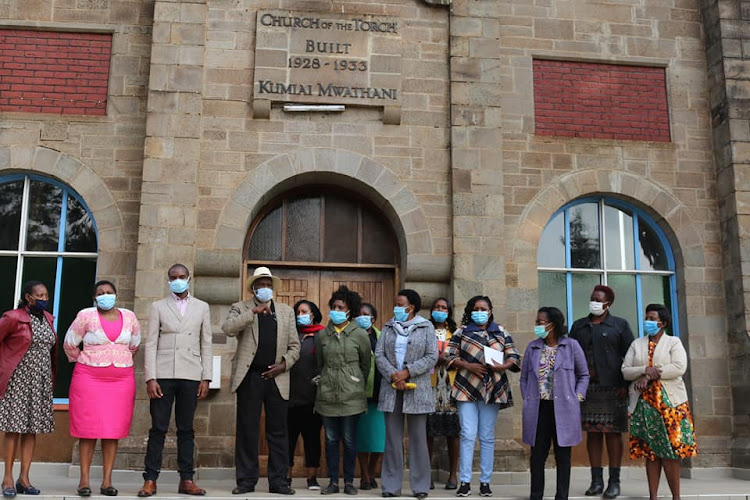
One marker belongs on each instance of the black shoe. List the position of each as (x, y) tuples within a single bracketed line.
[(312, 484), (373, 483), (84, 492), (331, 489), (109, 491), (420, 496), (349, 489), (464, 490), (284, 489), (613, 490), (288, 481), (388, 495), (451, 485), (432, 484), (241, 490), (484, 490), (26, 490), (365, 485), (597, 482)]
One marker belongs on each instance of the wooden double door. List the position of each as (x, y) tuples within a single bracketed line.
[(376, 286)]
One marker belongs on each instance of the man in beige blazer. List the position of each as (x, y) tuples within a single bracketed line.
[(178, 366), (267, 347)]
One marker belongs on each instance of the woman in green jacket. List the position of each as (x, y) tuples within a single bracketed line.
[(343, 354)]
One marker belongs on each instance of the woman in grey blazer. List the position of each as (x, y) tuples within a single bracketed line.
[(405, 353)]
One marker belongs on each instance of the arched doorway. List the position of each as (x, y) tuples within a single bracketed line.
[(316, 239)]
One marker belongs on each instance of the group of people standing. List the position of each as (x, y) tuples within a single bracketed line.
[(363, 386)]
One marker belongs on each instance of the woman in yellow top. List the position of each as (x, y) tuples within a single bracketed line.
[(444, 422)]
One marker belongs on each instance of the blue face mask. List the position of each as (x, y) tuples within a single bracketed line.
[(40, 305), (338, 317), (264, 294), (400, 314), (439, 316), (480, 317), (541, 331), (304, 320), (364, 322), (106, 302), (178, 286), (651, 327)]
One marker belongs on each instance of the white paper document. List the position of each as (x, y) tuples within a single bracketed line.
[(491, 355)]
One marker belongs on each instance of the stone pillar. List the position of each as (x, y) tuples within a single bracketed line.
[(726, 25), (478, 202), (172, 148)]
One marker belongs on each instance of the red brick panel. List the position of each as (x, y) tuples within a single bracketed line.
[(54, 72), (604, 101)]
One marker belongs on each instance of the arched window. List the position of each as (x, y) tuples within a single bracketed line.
[(595, 241), (47, 233)]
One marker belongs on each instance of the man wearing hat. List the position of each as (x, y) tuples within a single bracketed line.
[(267, 347)]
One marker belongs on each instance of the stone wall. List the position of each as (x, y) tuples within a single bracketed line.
[(727, 24), (498, 219)]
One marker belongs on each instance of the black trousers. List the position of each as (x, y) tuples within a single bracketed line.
[(184, 395), (545, 435), (253, 393), (303, 420)]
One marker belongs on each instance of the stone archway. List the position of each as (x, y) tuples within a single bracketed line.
[(86, 182)]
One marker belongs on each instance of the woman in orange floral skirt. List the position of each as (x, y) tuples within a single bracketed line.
[(661, 427)]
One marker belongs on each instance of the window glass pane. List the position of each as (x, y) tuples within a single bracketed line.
[(584, 236), (303, 229), (625, 305), (653, 255), (583, 285), (656, 290), (618, 227), (41, 269), (552, 292), (80, 235), (45, 202), (78, 276), (340, 240), (11, 197), (551, 251), (265, 243), (377, 240), (8, 280)]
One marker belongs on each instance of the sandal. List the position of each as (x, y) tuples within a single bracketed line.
[(84, 491), (109, 491)]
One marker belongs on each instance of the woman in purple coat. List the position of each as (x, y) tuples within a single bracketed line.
[(554, 378)]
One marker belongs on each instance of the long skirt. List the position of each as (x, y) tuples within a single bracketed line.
[(101, 401), (371, 430)]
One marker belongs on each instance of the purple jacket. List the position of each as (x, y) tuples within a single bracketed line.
[(571, 379)]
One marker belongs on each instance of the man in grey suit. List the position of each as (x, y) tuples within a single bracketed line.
[(267, 347), (178, 366)]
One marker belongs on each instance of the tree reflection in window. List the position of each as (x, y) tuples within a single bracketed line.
[(610, 242)]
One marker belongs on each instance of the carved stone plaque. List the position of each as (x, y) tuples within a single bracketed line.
[(303, 57)]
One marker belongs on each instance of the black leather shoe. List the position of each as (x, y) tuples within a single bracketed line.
[(84, 491), (420, 496), (613, 490), (109, 491), (331, 489), (389, 495), (241, 490), (284, 489), (349, 489)]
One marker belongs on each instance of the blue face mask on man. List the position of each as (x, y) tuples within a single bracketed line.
[(106, 301), (338, 317), (364, 322), (439, 316), (179, 286), (264, 294), (400, 314), (651, 327), (480, 317)]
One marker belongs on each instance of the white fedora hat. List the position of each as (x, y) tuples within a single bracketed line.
[(263, 272)]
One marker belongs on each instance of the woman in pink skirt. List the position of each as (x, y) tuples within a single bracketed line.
[(102, 392)]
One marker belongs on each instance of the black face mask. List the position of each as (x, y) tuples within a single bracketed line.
[(39, 307)]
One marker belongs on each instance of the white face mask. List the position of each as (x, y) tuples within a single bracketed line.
[(596, 308)]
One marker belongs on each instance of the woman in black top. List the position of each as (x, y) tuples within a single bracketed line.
[(605, 340), (301, 418)]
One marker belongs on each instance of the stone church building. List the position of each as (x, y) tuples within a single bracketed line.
[(521, 149)]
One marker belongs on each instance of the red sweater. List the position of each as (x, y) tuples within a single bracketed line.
[(15, 339)]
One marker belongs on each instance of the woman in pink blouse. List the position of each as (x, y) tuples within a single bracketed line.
[(102, 392)]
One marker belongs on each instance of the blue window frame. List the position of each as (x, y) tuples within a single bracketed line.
[(600, 240), (47, 233)]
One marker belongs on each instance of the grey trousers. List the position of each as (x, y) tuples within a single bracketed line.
[(392, 474)]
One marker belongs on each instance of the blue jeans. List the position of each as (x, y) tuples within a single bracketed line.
[(341, 429), (476, 417)]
